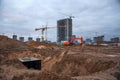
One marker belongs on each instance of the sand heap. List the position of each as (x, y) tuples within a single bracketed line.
[(86, 63), (58, 63), (7, 44), (12, 69)]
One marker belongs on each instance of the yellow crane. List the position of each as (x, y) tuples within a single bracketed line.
[(43, 29)]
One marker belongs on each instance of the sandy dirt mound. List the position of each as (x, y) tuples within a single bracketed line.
[(77, 65), (7, 44), (12, 69), (86, 63), (58, 63), (12, 73), (41, 45)]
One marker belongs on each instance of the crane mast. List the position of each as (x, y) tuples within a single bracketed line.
[(42, 31)]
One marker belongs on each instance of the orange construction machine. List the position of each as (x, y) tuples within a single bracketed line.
[(74, 41)]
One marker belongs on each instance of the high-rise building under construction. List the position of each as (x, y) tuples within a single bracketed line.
[(64, 29)]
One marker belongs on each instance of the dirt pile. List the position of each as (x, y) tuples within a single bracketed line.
[(24, 74), (40, 45), (34, 43), (7, 44), (79, 65), (86, 63), (58, 63), (11, 50)]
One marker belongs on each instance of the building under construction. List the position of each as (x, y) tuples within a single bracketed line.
[(98, 39), (64, 33), (115, 39)]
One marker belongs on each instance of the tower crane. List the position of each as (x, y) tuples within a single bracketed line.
[(68, 15), (43, 29)]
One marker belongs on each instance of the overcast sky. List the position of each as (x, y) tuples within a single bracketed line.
[(21, 17)]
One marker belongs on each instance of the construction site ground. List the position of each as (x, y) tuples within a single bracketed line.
[(74, 62)]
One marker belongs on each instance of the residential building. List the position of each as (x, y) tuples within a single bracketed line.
[(30, 38), (98, 39), (64, 29), (15, 37), (21, 39)]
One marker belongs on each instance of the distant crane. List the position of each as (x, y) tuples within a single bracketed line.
[(43, 29), (70, 16)]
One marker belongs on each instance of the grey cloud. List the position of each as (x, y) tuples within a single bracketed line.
[(90, 15)]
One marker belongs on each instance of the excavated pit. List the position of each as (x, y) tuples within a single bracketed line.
[(75, 65)]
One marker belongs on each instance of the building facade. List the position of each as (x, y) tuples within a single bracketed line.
[(38, 39), (88, 41), (21, 39), (30, 38), (64, 29), (15, 37), (115, 39), (98, 39)]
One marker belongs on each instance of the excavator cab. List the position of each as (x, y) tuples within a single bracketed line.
[(75, 41)]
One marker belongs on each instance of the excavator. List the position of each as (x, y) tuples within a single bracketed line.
[(74, 41)]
